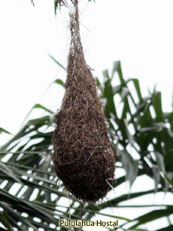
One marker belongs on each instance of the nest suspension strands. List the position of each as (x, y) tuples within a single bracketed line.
[(83, 156)]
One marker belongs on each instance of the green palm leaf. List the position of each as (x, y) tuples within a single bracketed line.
[(31, 196)]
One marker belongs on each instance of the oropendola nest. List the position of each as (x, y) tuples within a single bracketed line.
[(83, 156)]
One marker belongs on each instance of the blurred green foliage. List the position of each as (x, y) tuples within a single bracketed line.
[(31, 196)]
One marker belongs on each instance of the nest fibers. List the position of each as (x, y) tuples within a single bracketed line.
[(83, 156)]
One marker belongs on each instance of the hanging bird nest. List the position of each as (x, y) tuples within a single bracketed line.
[(83, 156)]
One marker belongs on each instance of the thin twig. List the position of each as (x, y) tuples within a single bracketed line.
[(32, 2), (62, 2)]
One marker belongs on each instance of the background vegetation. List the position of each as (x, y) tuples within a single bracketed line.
[(31, 196)]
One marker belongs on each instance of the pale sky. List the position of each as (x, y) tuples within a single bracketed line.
[(139, 33)]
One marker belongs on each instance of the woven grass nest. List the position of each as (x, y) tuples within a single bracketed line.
[(83, 156)]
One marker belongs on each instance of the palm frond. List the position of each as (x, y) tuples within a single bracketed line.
[(31, 196)]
